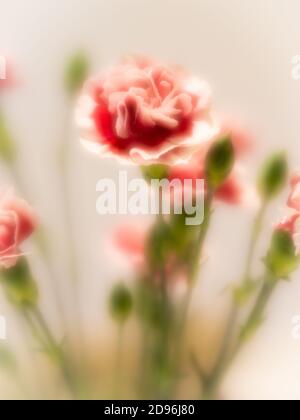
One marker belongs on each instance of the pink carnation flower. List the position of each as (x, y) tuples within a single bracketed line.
[(291, 222), (145, 113), (7, 79), (236, 190), (17, 222), (241, 136), (294, 198), (130, 240)]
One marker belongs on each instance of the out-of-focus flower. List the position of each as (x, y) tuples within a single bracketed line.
[(146, 113), (291, 221), (289, 224), (128, 243), (7, 79), (235, 190), (17, 222), (241, 136), (294, 198)]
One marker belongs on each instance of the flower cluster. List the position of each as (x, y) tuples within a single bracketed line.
[(145, 113)]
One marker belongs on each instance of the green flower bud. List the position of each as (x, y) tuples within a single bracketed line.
[(121, 303), (219, 162), (7, 147), (19, 286), (76, 72), (282, 259), (273, 176), (158, 172)]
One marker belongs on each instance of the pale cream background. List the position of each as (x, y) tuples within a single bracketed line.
[(244, 48)]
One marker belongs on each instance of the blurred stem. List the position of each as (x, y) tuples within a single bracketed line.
[(254, 239), (119, 361), (234, 311), (201, 238), (43, 334), (193, 273), (195, 265), (42, 249), (256, 315), (64, 160), (144, 372), (252, 323)]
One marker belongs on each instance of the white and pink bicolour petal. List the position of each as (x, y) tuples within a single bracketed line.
[(143, 112)]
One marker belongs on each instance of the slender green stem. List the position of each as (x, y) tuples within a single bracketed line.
[(119, 361), (42, 250), (252, 323), (192, 276), (73, 268), (234, 311), (254, 239), (194, 269), (144, 371), (44, 334), (36, 333), (44, 327), (256, 315)]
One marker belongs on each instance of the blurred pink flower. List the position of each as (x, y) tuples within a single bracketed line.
[(291, 224), (17, 222), (129, 242), (236, 190), (7, 79), (144, 113), (241, 136), (294, 198), (291, 221)]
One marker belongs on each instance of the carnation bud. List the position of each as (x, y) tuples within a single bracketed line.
[(7, 149), (158, 172), (19, 286), (121, 303), (76, 72), (219, 162), (282, 259), (273, 176)]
